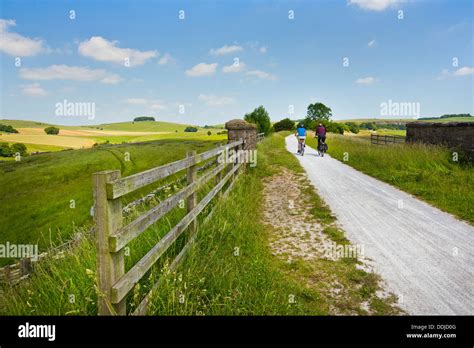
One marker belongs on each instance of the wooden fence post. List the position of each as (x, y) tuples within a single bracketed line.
[(191, 176), (219, 175), (110, 265)]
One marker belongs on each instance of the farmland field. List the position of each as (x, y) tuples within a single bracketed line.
[(78, 137)]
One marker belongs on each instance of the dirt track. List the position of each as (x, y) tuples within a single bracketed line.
[(426, 256)]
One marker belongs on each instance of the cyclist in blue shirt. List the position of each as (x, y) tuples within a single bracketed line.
[(301, 135)]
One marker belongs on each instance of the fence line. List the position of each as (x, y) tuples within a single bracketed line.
[(377, 139), (20, 270), (260, 137), (112, 237)]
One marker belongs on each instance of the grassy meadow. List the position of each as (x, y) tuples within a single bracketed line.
[(426, 171), (251, 281), (38, 189)]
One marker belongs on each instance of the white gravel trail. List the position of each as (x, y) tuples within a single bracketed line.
[(425, 256)]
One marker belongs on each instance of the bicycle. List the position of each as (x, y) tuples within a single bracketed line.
[(322, 148), (302, 145)]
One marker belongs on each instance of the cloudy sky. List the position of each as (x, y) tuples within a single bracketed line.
[(205, 62)]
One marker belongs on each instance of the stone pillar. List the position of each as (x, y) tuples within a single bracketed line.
[(240, 129)]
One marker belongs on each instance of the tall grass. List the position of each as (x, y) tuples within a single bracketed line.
[(426, 171)]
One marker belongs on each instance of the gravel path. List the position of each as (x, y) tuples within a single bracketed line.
[(425, 256)]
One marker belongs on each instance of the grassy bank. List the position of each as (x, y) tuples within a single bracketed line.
[(229, 271), (48, 195), (426, 171)]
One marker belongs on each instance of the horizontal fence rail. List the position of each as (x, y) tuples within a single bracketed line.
[(377, 139), (260, 137), (112, 236)]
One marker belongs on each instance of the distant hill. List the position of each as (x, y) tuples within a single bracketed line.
[(141, 126)]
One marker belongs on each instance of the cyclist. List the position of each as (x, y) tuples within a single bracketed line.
[(321, 134), (301, 135)]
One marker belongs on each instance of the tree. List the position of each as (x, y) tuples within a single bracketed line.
[(20, 148), (209, 133), (319, 112), (353, 127), (51, 130), (285, 124), (190, 129), (143, 118), (7, 128), (5, 150), (260, 117)]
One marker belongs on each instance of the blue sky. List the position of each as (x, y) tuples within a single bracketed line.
[(133, 58)]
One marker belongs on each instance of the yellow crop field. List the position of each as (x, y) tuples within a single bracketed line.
[(63, 141)]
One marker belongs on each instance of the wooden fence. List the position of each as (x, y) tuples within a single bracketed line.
[(19, 271), (378, 139), (260, 137), (112, 237)]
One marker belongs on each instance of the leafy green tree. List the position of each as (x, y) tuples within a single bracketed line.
[(285, 124), (333, 127), (51, 130), (319, 112), (19, 147), (5, 150), (209, 133), (260, 117), (143, 118), (7, 129), (190, 129), (352, 127)]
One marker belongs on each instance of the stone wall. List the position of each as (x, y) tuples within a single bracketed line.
[(240, 129), (456, 135)]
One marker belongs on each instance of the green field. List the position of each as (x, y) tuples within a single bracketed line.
[(426, 171), (38, 190), (214, 280), (79, 137), (405, 120)]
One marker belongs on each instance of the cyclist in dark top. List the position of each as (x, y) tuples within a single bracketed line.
[(321, 134)]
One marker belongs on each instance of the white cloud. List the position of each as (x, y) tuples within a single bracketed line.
[(225, 50), (103, 50), (15, 44), (33, 90), (212, 100), (202, 69), (233, 68), (371, 43), (166, 59), (261, 75), (464, 71), (375, 5), (366, 80), (66, 72), (263, 49)]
